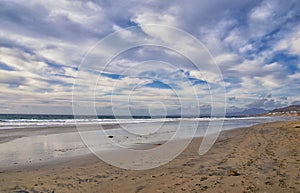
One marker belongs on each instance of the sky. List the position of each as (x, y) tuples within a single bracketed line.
[(51, 52)]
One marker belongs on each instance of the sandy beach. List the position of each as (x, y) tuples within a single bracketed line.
[(261, 158)]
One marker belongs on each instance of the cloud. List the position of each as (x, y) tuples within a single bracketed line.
[(283, 98), (231, 98), (296, 103), (254, 43), (291, 43), (267, 103)]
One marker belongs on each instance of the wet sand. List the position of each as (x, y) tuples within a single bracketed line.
[(11, 134), (262, 158)]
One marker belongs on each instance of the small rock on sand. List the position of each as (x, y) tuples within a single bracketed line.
[(233, 173)]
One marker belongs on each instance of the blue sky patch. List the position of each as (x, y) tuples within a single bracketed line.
[(196, 81), (112, 76), (158, 84), (289, 60), (5, 67)]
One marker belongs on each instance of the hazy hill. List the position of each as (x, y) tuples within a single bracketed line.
[(293, 110), (247, 112)]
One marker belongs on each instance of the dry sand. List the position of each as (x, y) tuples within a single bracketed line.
[(262, 158)]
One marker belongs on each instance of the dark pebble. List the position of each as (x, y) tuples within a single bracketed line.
[(233, 173)]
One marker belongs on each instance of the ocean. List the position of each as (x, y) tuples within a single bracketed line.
[(12, 121)]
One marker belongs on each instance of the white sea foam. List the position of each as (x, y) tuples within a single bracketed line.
[(28, 123)]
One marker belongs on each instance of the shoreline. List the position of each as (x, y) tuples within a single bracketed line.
[(40, 131), (10, 134)]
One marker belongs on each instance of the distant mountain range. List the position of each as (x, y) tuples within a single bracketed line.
[(247, 112), (293, 110)]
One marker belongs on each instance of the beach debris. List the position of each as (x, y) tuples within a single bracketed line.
[(110, 136), (203, 179), (140, 188), (233, 173), (269, 183), (204, 187)]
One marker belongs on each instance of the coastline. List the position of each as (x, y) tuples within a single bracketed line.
[(261, 158), (28, 146), (10, 134)]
